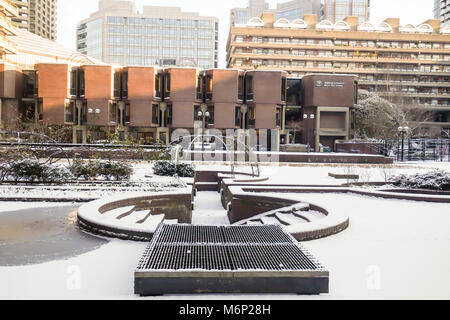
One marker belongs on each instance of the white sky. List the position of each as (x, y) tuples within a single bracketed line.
[(70, 12)]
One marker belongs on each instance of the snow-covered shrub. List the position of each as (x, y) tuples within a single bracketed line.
[(164, 168), (434, 180), (4, 171), (92, 169), (35, 171), (169, 169), (185, 170), (85, 170), (115, 170)]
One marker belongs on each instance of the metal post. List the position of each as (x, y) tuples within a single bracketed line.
[(424, 149), (448, 150), (409, 149), (403, 146)]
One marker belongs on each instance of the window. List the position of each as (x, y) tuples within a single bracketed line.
[(211, 116), (69, 114), (117, 84), (279, 116), (113, 112), (77, 84), (155, 113), (167, 86), (283, 89), (293, 92), (196, 111), (27, 111), (158, 86), (127, 114), (200, 87), (237, 117), (169, 115), (209, 87), (124, 84), (249, 87), (251, 114), (241, 88)]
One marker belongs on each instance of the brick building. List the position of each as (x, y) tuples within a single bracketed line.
[(149, 103)]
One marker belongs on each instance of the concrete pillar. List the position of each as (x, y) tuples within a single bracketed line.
[(163, 109), (122, 109), (244, 110)]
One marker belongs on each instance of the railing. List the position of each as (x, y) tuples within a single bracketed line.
[(417, 149)]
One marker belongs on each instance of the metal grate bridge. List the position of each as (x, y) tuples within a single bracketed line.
[(183, 259)]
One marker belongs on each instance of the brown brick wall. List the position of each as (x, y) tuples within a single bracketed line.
[(53, 88), (141, 86)]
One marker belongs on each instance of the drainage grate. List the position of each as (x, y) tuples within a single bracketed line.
[(184, 233), (188, 257), (238, 259), (256, 234), (284, 257)]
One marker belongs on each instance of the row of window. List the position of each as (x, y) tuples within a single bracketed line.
[(166, 42), (341, 65), (344, 54), (343, 42), (118, 116), (188, 33), (162, 22), (153, 52)]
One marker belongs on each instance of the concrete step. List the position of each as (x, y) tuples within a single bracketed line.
[(289, 219), (206, 186), (270, 220)]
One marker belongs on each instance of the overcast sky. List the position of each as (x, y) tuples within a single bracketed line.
[(70, 12)]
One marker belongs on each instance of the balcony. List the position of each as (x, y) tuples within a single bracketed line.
[(7, 46), (9, 9), (8, 28)]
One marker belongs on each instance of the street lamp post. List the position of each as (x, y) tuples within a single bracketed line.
[(403, 131)]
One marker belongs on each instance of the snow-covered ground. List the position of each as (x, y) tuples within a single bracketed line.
[(393, 249), (209, 210)]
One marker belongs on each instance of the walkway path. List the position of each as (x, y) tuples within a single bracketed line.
[(208, 209)]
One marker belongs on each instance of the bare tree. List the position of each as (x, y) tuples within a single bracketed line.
[(380, 118)]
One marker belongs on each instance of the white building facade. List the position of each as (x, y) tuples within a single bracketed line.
[(119, 34)]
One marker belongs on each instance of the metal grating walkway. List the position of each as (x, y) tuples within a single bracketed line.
[(184, 259)]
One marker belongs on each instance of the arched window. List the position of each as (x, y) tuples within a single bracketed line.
[(425, 28), (325, 25), (299, 24), (384, 27), (445, 30), (341, 26), (282, 23), (255, 22), (409, 28), (366, 26)]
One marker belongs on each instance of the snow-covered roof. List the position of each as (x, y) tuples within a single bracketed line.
[(33, 49)]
